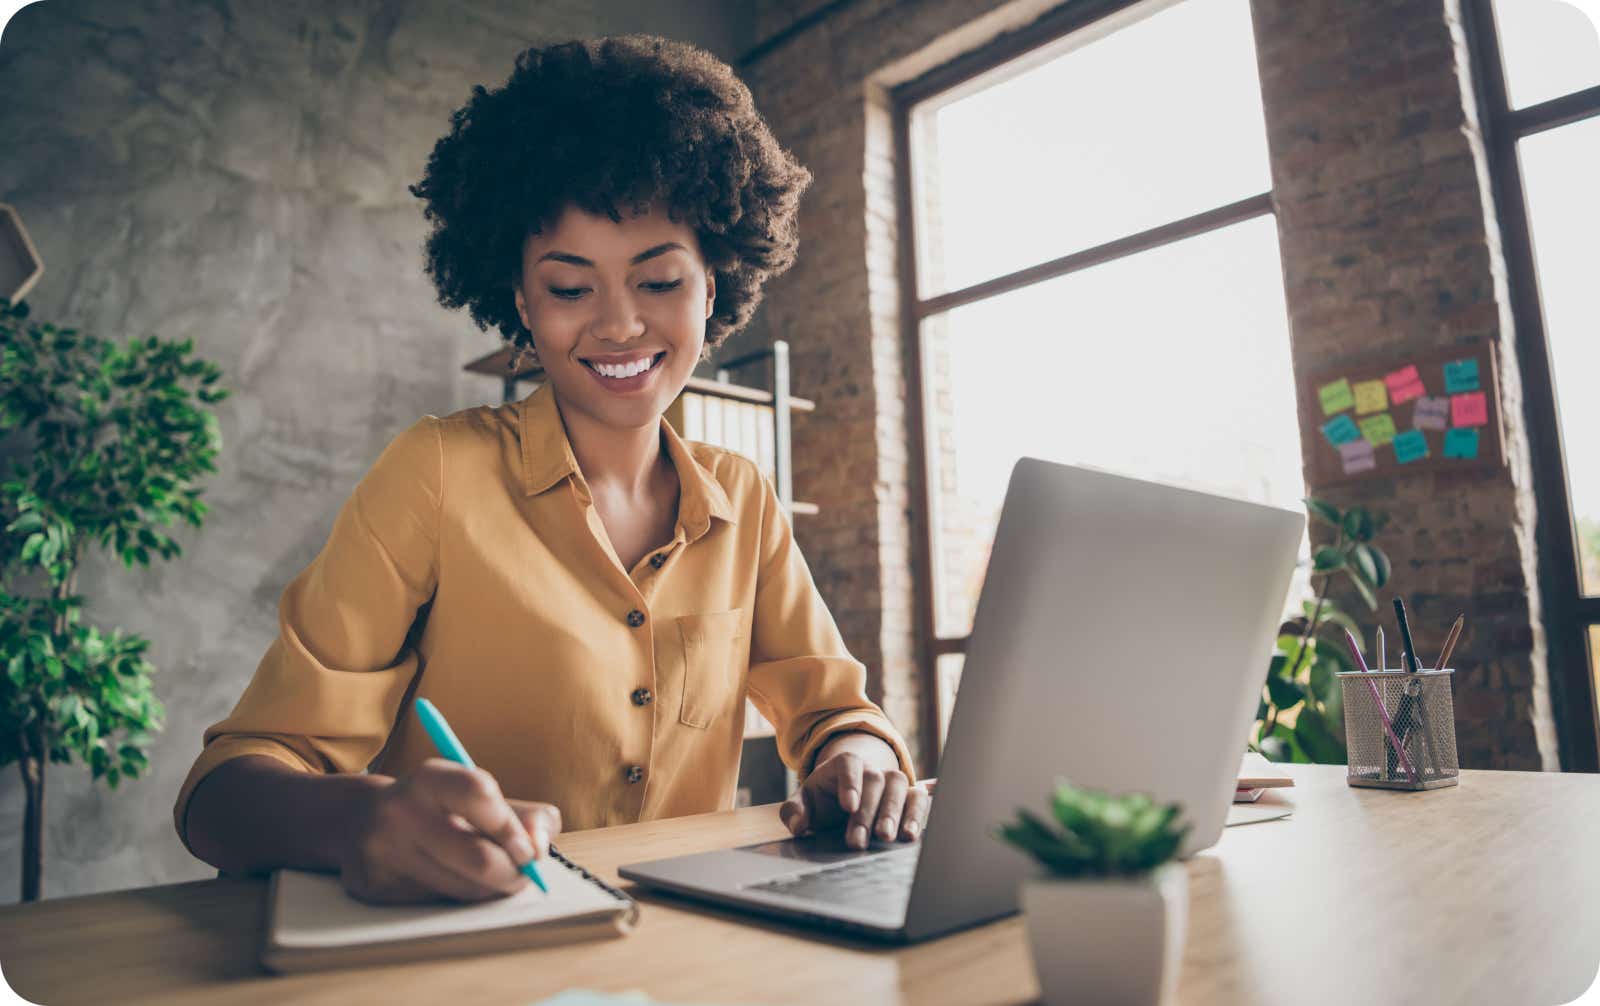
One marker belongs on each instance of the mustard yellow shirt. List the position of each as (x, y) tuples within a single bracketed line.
[(470, 566)]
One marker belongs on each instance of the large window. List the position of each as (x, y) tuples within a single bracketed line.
[(1538, 71), (1096, 277)]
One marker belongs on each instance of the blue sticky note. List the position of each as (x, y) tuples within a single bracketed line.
[(1410, 446), (1461, 442), (1460, 375), (1340, 430)]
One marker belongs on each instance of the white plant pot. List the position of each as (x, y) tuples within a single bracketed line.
[(1108, 941)]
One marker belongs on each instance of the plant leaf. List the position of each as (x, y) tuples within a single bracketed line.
[(1325, 512), (1358, 524)]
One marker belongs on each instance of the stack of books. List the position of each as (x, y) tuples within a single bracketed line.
[(745, 427)]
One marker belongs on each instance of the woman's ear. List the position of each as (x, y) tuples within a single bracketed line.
[(711, 293), (522, 307)]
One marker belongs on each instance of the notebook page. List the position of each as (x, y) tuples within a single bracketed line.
[(313, 909)]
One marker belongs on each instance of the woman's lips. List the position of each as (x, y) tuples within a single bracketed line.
[(622, 384)]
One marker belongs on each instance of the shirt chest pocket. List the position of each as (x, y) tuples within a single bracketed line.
[(715, 653)]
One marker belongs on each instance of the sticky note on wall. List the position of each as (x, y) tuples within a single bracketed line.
[(1357, 456), (1471, 409), (1404, 384), (1341, 430), (1412, 445), (1461, 443), (1460, 376), (1336, 397), (1371, 397), (1378, 429), (1431, 413)]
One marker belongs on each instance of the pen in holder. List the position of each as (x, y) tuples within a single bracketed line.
[(1413, 709)]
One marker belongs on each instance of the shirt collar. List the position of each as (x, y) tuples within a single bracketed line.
[(547, 458)]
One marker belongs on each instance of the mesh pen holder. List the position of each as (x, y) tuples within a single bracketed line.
[(1422, 719)]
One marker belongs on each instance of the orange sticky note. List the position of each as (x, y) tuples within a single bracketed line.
[(1470, 409), (1371, 397)]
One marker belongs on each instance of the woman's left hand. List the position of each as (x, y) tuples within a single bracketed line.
[(848, 789)]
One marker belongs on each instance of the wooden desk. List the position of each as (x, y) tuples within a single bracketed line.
[(1484, 893)]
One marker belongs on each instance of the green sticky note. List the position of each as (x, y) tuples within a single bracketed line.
[(1410, 446), (1336, 397), (1341, 430), (1378, 430), (1461, 443), (1460, 375)]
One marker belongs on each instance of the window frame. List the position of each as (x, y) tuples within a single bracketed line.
[(1048, 29), (1567, 613)]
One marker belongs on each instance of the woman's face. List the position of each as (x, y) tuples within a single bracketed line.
[(604, 300)]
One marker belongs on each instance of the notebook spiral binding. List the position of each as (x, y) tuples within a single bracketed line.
[(633, 906)]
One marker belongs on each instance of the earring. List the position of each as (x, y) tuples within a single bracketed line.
[(518, 355)]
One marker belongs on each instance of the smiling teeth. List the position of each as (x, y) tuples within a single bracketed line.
[(627, 370)]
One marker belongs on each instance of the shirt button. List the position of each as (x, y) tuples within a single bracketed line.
[(635, 773), (657, 559), (642, 696), (636, 618)]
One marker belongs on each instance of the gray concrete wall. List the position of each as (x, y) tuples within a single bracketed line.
[(234, 172)]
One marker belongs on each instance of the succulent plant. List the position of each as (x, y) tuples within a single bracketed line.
[(1099, 834)]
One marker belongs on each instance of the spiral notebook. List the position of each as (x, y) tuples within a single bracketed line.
[(313, 924)]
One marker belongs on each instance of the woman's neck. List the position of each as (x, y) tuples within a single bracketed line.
[(626, 463)]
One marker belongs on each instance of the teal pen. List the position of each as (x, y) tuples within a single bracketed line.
[(445, 740)]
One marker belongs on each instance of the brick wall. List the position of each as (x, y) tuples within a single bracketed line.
[(1389, 246)]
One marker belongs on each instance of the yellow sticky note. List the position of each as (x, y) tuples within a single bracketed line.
[(1379, 429), (1371, 396)]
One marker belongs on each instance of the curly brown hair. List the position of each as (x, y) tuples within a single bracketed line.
[(635, 119)]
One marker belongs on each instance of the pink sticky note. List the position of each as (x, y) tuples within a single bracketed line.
[(1402, 378), (1406, 392), (1470, 409)]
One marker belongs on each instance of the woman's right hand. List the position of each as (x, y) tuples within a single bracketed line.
[(444, 831)]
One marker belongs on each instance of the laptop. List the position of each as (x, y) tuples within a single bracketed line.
[(1120, 642)]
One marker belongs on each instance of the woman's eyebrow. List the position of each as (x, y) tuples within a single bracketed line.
[(580, 260)]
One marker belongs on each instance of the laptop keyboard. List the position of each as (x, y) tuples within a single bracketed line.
[(873, 882)]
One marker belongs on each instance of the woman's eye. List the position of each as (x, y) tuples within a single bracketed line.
[(573, 293)]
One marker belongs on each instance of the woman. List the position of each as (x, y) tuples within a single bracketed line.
[(588, 598)]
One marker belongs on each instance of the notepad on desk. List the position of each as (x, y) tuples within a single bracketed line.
[(1257, 775), (314, 924)]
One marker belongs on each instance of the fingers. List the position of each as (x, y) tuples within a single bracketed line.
[(542, 821), (792, 813), (891, 808), (918, 803), (471, 856), (475, 796), (848, 790), (856, 830), (451, 871)]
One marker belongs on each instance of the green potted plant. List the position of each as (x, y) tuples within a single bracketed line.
[(1300, 716), (1108, 913), (111, 440)]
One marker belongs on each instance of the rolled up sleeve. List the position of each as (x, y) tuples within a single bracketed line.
[(802, 677), (325, 694)]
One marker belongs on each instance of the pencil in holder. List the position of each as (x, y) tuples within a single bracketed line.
[(1400, 729)]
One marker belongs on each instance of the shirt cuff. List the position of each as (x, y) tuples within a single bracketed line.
[(225, 749), (856, 721)]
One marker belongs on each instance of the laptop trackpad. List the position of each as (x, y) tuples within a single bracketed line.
[(827, 847)]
